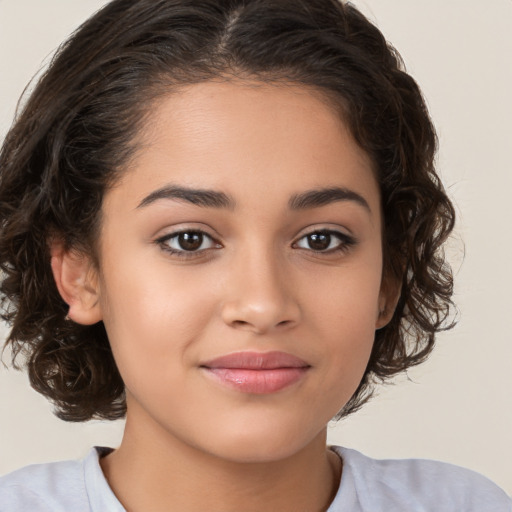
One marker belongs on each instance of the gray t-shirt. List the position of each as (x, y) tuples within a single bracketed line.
[(367, 485)]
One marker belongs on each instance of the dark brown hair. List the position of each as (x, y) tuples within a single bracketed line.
[(76, 133)]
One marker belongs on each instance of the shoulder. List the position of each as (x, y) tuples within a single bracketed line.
[(52, 487), (416, 484)]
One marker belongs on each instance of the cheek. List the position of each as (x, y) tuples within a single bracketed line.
[(344, 309), (152, 318), (349, 295)]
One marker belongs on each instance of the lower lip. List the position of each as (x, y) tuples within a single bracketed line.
[(257, 381)]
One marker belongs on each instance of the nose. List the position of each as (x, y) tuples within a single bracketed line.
[(260, 295)]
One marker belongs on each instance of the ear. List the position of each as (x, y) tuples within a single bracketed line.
[(77, 282), (390, 290)]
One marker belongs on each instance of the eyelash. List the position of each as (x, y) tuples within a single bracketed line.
[(346, 242)]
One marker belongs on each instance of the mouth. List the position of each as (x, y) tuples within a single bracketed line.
[(256, 372)]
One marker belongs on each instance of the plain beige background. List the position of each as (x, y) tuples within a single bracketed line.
[(458, 406)]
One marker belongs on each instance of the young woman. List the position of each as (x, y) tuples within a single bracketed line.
[(221, 219)]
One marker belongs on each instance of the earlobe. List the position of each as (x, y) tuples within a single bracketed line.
[(77, 282)]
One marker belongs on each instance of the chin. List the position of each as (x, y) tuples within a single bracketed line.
[(243, 453), (268, 443)]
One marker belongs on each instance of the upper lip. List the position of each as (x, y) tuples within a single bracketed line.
[(256, 361)]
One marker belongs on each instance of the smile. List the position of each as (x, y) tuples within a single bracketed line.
[(256, 372)]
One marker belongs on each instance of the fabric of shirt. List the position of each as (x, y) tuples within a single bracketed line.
[(367, 485)]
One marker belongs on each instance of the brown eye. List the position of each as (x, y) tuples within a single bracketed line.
[(326, 241), (190, 241), (319, 241), (187, 242)]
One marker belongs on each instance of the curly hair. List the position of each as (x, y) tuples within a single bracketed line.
[(76, 133)]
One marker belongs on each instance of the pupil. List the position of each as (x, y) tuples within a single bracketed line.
[(319, 241), (190, 241)]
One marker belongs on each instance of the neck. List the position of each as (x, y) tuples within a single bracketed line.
[(150, 471)]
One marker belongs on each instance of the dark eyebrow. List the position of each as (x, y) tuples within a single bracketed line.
[(199, 197), (325, 196), (215, 199)]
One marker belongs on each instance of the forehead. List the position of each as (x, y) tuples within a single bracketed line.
[(248, 139)]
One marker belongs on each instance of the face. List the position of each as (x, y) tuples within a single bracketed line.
[(240, 269)]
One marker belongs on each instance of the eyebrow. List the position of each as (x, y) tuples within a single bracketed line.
[(325, 196), (215, 199), (199, 197)]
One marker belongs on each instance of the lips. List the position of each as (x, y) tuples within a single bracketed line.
[(256, 372)]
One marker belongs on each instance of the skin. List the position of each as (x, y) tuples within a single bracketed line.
[(192, 443)]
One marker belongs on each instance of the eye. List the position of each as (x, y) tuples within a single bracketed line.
[(326, 241), (187, 243)]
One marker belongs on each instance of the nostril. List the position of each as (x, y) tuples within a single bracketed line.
[(239, 323)]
